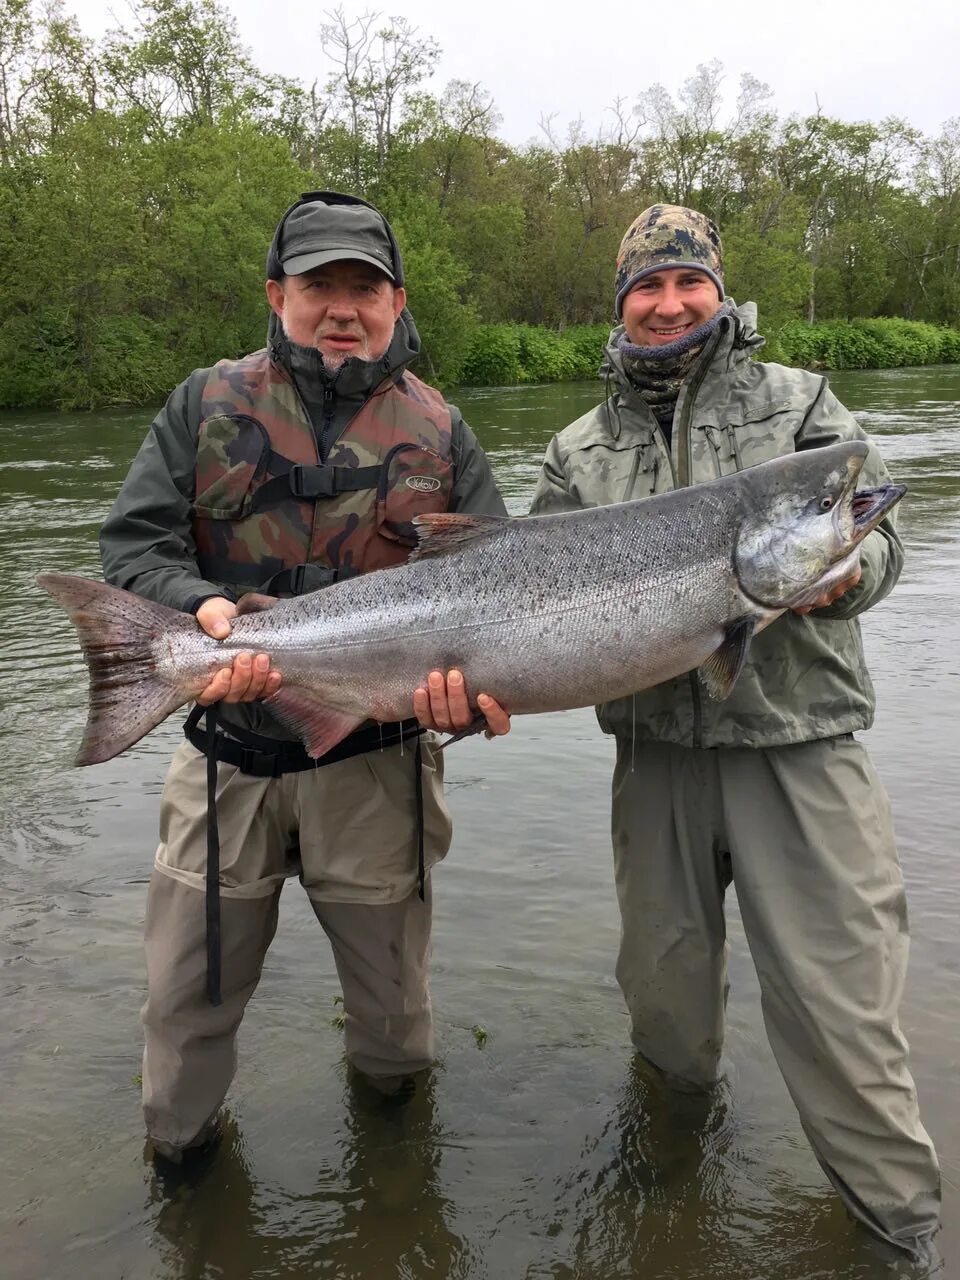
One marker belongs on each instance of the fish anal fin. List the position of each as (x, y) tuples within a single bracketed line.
[(442, 532), (720, 671), (254, 602), (319, 726)]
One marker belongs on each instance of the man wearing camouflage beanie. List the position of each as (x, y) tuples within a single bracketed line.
[(768, 789)]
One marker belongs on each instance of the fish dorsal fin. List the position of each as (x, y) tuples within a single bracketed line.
[(319, 727), (719, 672), (443, 532)]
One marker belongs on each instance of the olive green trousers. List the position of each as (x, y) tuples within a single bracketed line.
[(804, 833), (349, 832)]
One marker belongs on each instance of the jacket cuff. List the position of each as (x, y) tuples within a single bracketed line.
[(194, 604)]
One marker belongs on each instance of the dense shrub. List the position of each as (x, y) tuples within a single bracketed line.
[(587, 342), (87, 361), (493, 356), (507, 354), (950, 351), (545, 356), (880, 343)]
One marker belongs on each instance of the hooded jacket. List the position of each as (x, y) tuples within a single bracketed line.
[(147, 541), (805, 676)]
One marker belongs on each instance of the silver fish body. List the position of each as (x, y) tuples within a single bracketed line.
[(543, 613)]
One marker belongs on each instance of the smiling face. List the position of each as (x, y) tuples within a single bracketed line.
[(662, 307), (343, 309)]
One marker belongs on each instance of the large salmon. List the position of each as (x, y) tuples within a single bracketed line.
[(542, 613)]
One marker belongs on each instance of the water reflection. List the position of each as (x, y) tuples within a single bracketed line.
[(376, 1207), (672, 1187)]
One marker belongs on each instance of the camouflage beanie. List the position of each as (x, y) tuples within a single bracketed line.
[(668, 235)]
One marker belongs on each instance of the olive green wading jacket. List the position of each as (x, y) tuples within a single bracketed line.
[(805, 676)]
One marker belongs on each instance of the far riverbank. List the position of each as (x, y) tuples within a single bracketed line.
[(504, 355), (515, 355)]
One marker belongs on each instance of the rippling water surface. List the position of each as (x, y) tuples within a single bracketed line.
[(539, 1153)]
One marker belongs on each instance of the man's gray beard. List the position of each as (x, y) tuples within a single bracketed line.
[(333, 364)]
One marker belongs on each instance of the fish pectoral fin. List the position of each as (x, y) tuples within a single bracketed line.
[(477, 725), (255, 602), (320, 727), (444, 531), (720, 671)]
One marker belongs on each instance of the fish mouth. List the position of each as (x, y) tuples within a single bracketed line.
[(869, 506)]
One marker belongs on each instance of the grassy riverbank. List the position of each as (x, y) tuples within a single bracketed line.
[(880, 343), (503, 355), (508, 354)]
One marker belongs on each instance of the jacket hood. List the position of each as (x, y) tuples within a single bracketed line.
[(354, 377)]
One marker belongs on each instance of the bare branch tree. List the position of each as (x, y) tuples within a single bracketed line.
[(378, 67)]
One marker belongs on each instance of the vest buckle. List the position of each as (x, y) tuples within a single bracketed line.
[(312, 481)]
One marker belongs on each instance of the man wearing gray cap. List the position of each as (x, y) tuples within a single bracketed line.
[(276, 474)]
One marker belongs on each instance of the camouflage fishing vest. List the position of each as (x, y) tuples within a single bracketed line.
[(269, 516)]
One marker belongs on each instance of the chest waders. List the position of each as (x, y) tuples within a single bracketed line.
[(272, 516), (263, 757)]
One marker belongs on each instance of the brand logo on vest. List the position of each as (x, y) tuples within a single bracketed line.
[(423, 484)]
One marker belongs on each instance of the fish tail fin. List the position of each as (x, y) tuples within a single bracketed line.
[(117, 630)]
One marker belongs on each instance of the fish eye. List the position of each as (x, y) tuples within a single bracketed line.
[(826, 503)]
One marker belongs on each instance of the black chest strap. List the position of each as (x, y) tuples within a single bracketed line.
[(311, 481)]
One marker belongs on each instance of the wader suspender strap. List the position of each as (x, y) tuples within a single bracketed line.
[(418, 787), (212, 894), (217, 747)]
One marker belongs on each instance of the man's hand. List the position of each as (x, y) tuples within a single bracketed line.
[(833, 593), (442, 705), (249, 676)]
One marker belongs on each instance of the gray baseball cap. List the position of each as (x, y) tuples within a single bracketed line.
[(314, 234)]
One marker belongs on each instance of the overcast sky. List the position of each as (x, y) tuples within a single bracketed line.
[(863, 59)]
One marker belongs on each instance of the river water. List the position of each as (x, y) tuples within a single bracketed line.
[(537, 1151)]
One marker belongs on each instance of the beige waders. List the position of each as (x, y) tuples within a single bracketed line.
[(349, 831), (805, 834)]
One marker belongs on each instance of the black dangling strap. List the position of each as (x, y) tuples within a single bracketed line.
[(213, 864), (192, 720), (418, 765)]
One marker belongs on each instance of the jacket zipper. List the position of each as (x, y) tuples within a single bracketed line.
[(634, 471), (665, 449), (689, 399), (683, 468), (327, 391), (326, 430), (659, 440)]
